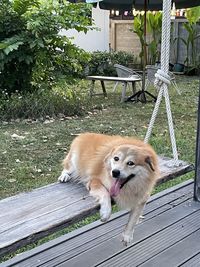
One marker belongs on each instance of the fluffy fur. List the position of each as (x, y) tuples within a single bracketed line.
[(124, 169)]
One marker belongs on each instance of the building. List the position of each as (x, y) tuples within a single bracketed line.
[(94, 39)]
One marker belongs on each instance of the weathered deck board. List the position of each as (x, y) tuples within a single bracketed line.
[(193, 262), (162, 239), (178, 253), (144, 246), (30, 216), (170, 217)]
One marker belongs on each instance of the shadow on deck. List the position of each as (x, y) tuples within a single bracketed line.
[(168, 236)]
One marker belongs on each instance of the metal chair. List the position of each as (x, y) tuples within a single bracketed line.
[(123, 71), (151, 71)]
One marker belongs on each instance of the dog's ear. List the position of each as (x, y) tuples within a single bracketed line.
[(148, 160), (108, 156)]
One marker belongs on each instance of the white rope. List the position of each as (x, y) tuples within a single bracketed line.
[(161, 77), (163, 80), (171, 126), (154, 115)]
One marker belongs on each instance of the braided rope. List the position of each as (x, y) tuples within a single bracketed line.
[(161, 77), (163, 80), (171, 127), (154, 115)]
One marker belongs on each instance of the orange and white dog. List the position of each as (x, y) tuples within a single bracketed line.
[(124, 169)]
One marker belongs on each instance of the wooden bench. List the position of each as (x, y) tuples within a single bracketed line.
[(30, 216), (124, 80)]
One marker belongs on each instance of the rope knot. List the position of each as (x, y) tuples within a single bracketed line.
[(161, 77)]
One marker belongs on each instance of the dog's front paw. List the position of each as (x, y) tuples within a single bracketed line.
[(127, 238), (64, 177), (105, 213)]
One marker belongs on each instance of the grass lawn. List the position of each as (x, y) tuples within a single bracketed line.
[(32, 151)]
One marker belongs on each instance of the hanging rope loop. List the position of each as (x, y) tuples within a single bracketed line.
[(162, 80), (161, 77)]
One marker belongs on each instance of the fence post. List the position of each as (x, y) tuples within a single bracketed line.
[(197, 160)]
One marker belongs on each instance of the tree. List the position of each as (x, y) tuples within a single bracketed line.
[(32, 50), (154, 27)]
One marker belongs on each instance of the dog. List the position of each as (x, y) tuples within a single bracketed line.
[(113, 167)]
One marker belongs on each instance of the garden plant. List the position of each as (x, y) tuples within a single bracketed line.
[(32, 52)]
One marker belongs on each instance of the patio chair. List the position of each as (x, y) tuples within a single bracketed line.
[(123, 71), (151, 71)]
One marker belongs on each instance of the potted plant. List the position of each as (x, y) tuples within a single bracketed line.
[(192, 58)]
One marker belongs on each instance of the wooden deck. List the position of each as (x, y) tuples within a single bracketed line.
[(168, 236), (27, 217)]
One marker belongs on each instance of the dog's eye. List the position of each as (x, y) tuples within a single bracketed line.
[(130, 163), (116, 158)]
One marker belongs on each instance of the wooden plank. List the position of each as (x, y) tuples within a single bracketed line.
[(74, 247), (159, 241), (193, 262), (114, 79), (124, 80), (179, 190), (178, 253), (30, 216), (152, 229), (89, 245), (81, 239), (97, 248), (38, 226), (39, 212), (80, 243), (25, 207), (45, 193), (168, 171)]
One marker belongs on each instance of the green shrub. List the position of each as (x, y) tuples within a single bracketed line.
[(102, 63), (32, 52), (63, 100)]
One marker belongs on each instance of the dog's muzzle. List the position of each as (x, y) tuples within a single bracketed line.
[(116, 174), (127, 180), (118, 182)]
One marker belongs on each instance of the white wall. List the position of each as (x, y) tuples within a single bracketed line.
[(93, 40)]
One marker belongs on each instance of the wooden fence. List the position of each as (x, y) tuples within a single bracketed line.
[(123, 39)]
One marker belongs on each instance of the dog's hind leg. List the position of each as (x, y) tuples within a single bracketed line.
[(98, 191), (67, 170)]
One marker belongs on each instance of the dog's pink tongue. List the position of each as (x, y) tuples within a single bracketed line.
[(115, 188)]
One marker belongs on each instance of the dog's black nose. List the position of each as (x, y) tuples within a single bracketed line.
[(115, 173)]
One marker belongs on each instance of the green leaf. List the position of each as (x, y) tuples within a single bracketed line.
[(3, 45), (22, 6), (193, 14), (12, 47)]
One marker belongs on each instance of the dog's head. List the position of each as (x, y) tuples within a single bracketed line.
[(128, 162)]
